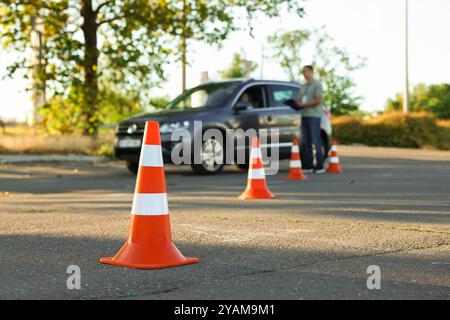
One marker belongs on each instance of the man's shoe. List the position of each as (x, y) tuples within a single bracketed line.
[(307, 170), (319, 171)]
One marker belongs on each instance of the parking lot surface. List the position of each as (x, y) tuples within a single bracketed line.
[(390, 208)]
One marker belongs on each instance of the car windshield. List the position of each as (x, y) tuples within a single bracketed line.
[(207, 95)]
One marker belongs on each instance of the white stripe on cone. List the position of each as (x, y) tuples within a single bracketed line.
[(333, 148), (296, 164), (151, 156), (295, 149), (334, 160), (150, 204), (254, 174)]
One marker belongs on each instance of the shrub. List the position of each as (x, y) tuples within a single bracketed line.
[(444, 127), (348, 129), (444, 123), (394, 129), (63, 114)]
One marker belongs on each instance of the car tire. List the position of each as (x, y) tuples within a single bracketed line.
[(133, 167), (213, 158)]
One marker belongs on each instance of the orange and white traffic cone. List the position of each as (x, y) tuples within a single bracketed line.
[(334, 166), (256, 185), (295, 165), (149, 244)]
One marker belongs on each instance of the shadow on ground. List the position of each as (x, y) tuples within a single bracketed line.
[(238, 272), (61, 178), (379, 189)]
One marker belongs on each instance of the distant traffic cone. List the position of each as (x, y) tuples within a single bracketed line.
[(256, 185), (295, 172), (334, 166), (149, 244)]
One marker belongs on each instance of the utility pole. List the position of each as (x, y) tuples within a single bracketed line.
[(406, 89), (262, 62), (37, 62), (183, 64), (204, 77), (183, 50)]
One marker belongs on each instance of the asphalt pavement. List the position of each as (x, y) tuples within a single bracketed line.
[(390, 208)]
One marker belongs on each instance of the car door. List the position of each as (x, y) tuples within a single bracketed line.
[(249, 117), (281, 117)]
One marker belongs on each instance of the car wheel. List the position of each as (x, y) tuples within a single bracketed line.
[(133, 167), (212, 157)]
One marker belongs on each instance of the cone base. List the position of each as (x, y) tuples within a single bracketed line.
[(335, 170), (149, 257), (252, 194), (296, 176), (111, 261)]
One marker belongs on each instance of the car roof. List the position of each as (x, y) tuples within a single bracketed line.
[(252, 80), (273, 81)]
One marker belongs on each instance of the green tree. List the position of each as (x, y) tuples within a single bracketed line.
[(434, 98), (159, 102), (239, 67), (333, 65), (127, 41), (116, 104), (394, 104), (287, 49), (62, 114)]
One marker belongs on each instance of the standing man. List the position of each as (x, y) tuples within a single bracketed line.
[(309, 101)]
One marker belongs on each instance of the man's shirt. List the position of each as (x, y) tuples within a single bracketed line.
[(309, 92)]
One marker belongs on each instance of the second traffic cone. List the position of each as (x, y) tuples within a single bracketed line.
[(149, 244), (295, 165), (256, 185), (334, 166)]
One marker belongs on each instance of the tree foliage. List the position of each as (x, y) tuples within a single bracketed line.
[(333, 65), (434, 98), (159, 102), (64, 114), (126, 42), (287, 49), (240, 67)]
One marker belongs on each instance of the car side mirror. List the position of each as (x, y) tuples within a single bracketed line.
[(242, 105)]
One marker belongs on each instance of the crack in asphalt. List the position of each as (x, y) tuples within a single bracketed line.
[(257, 272)]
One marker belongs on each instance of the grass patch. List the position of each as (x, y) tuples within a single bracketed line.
[(24, 140)]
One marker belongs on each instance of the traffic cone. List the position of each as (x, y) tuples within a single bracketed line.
[(334, 166), (256, 185), (295, 172), (149, 244)]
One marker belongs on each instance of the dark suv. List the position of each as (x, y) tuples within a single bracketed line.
[(233, 104)]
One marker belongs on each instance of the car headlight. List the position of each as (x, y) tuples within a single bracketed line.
[(171, 127)]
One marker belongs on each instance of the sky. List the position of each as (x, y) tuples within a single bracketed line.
[(373, 29)]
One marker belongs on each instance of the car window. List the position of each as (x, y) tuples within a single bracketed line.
[(208, 95), (279, 94), (254, 96)]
